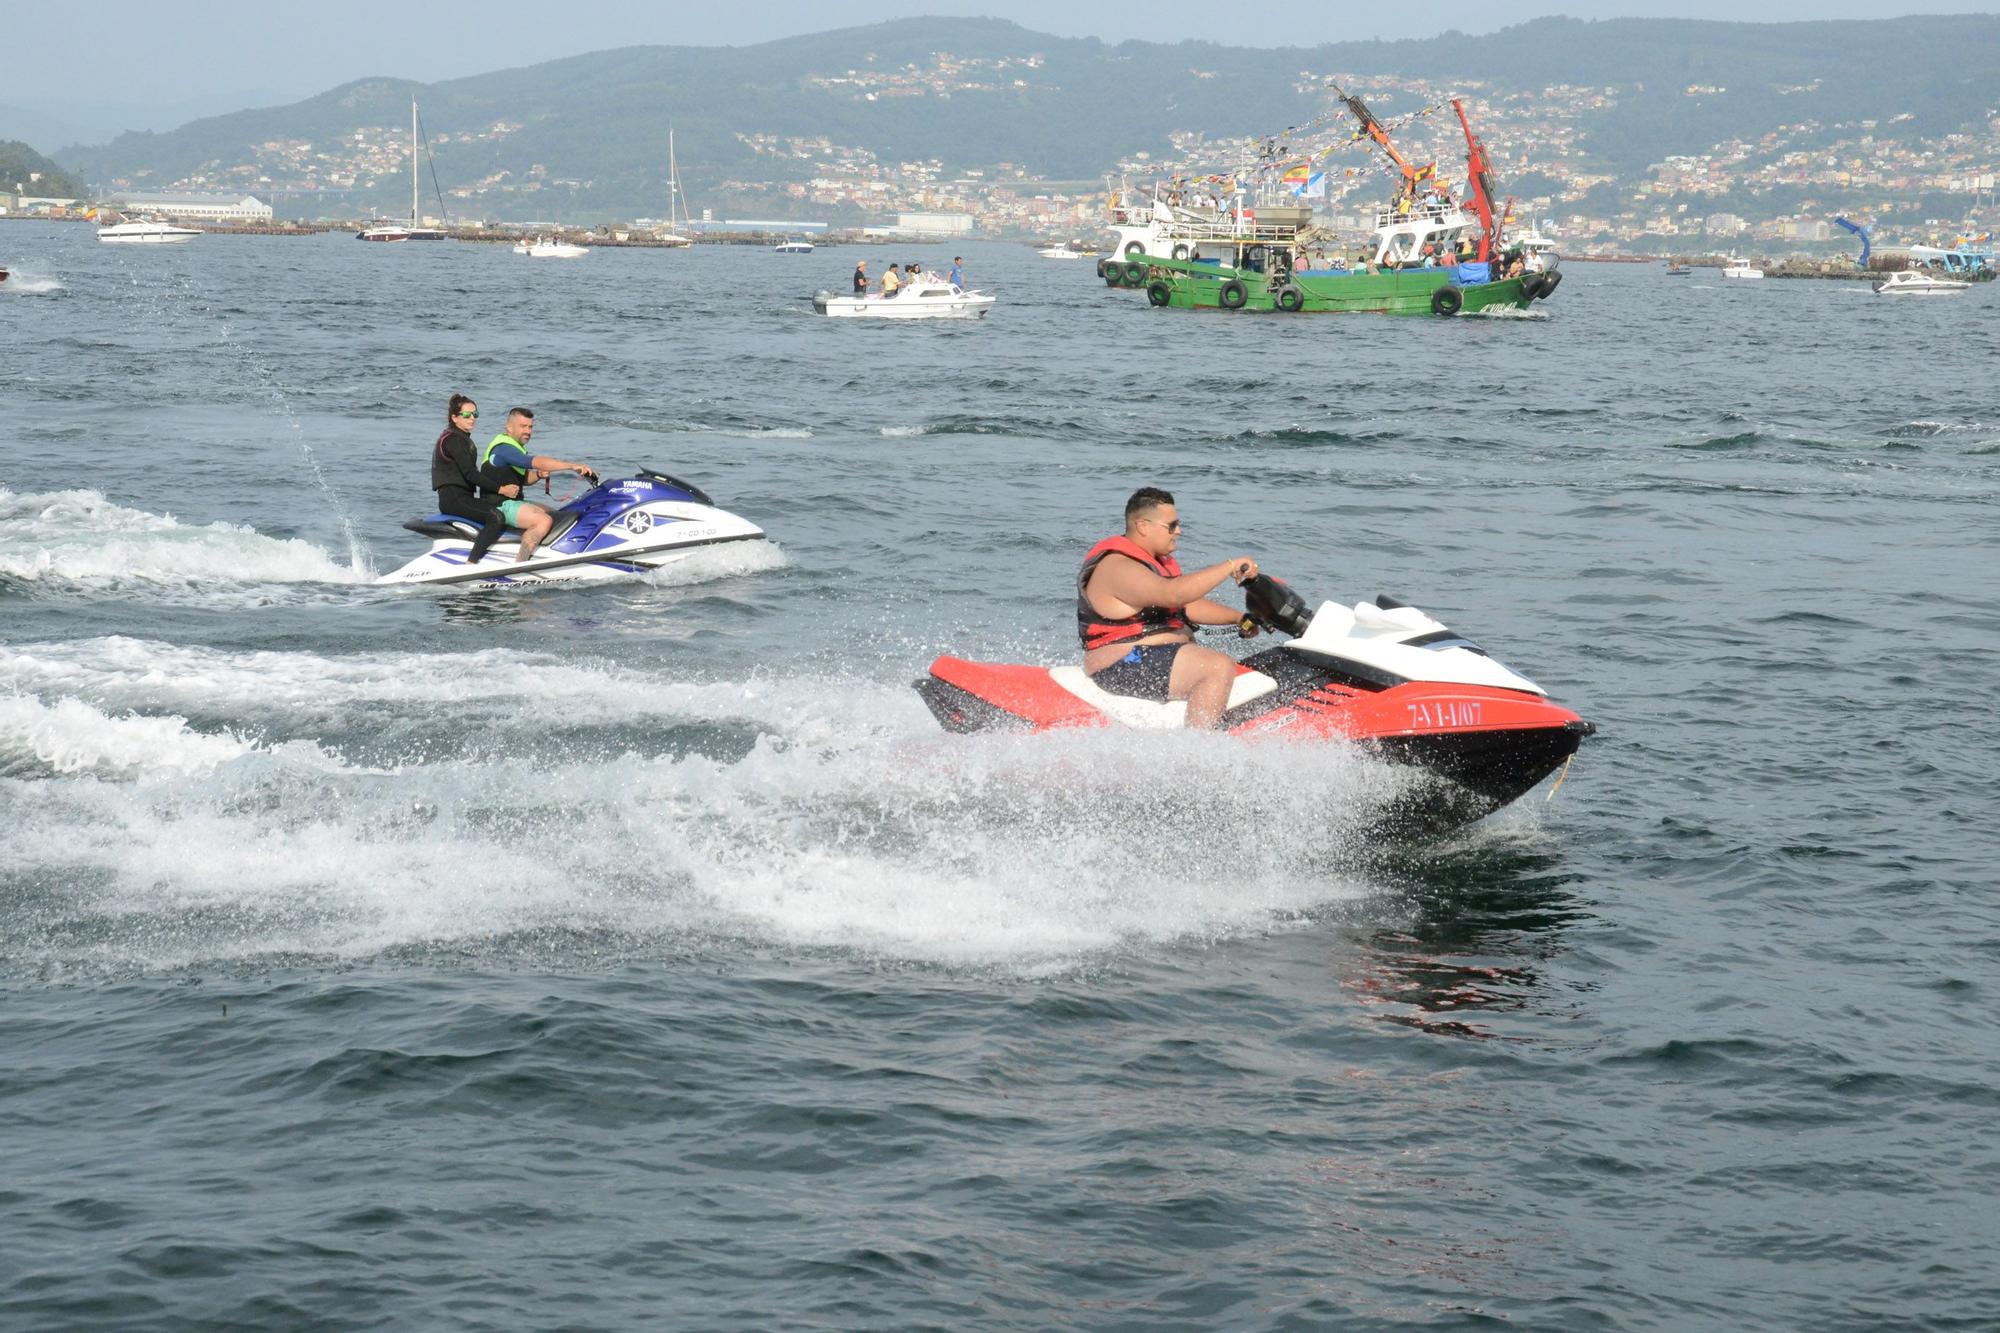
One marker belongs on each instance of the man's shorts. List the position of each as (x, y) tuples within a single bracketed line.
[(1143, 673), (511, 511)]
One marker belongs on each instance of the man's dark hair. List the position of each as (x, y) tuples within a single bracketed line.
[(1144, 500), (458, 400), (527, 412)]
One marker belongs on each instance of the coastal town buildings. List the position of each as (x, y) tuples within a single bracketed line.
[(1780, 185)]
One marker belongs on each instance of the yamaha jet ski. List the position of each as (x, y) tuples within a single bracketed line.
[(614, 529), (1381, 673)]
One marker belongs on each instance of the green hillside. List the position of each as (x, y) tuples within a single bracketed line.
[(19, 165), (1071, 109)]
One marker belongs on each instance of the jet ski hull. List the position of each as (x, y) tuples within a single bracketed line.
[(614, 531), (1486, 746), (1382, 675)]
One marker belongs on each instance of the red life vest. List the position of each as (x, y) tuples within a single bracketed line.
[(1096, 630)]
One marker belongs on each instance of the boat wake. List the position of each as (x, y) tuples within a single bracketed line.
[(79, 538), (186, 806), (27, 284)]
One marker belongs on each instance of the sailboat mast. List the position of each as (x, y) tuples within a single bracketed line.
[(673, 185), (416, 219)]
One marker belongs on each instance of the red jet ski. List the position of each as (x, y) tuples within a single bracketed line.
[(1381, 673)]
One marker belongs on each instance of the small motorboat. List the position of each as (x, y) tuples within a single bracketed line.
[(1741, 268), (791, 247), (615, 529), (1381, 674), (146, 233), (1680, 270), (550, 247), (1909, 282), (928, 297), (1074, 250)]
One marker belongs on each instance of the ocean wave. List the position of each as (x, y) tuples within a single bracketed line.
[(70, 738), (79, 536)]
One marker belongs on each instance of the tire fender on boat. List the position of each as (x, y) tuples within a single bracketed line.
[(1114, 274), (1549, 281), (1233, 294), (1447, 300), (1291, 298), (1180, 252), (1135, 273), (1134, 248), (1158, 292), (1531, 285), (1100, 266)]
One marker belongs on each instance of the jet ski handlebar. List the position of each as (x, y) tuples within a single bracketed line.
[(1270, 604)]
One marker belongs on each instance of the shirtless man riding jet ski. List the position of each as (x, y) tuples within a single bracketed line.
[(1136, 612)]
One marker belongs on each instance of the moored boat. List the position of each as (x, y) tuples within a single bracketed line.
[(1742, 269), (793, 247)]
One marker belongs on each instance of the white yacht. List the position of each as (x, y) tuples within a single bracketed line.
[(929, 297), (550, 247), (1741, 268), (1910, 282), (791, 247), (146, 233)]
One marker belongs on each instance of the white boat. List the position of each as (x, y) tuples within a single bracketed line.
[(1538, 251), (395, 231), (146, 233), (1741, 268), (1074, 250), (799, 247), (548, 247), (1909, 282), (929, 297)]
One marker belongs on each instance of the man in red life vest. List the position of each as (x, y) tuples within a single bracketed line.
[(1136, 613)]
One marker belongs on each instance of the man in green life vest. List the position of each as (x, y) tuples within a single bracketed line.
[(506, 467)]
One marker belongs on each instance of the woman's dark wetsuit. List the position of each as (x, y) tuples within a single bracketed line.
[(455, 476)]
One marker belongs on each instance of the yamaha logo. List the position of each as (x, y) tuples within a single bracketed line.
[(638, 521)]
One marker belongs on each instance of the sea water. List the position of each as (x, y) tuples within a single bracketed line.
[(646, 956)]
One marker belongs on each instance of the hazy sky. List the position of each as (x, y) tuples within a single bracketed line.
[(142, 63)]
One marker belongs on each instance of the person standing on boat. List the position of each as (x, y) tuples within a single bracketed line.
[(1136, 612), (957, 275), (890, 282), (508, 468), (455, 476), (861, 278)]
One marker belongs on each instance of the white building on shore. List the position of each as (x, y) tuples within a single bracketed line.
[(207, 207)]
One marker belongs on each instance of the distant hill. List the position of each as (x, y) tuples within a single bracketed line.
[(20, 164), (595, 125)]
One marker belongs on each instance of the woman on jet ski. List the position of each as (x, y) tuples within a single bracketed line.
[(1136, 613), (455, 476)]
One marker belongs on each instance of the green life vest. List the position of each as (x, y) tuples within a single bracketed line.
[(486, 455)]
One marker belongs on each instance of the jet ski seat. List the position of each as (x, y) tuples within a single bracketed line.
[(1144, 713), (449, 527)]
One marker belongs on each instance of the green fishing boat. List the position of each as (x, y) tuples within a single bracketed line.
[(1271, 282), (1433, 255)]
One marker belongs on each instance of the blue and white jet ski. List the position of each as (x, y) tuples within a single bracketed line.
[(613, 530)]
